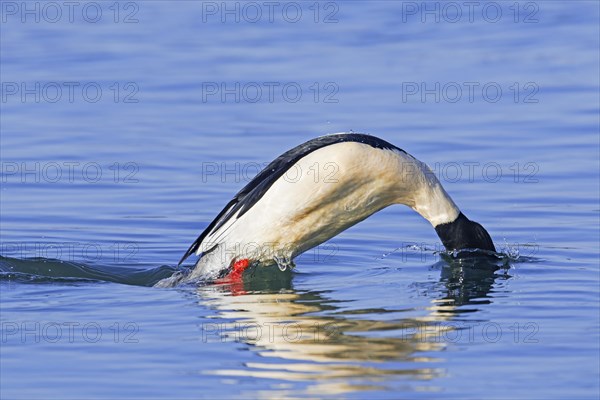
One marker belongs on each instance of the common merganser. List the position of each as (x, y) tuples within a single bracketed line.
[(288, 208)]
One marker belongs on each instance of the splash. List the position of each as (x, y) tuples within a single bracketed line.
[(284, 263)]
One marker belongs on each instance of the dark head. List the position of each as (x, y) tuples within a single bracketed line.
[(463, 233)]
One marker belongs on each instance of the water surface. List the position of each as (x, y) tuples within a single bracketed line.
[(101, 196)]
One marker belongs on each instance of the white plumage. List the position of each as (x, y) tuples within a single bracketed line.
[(302, 209)]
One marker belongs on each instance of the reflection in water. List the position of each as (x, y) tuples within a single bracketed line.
[(329, 349), (304, 336)]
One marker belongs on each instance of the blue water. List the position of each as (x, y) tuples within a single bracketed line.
[(124, 133)]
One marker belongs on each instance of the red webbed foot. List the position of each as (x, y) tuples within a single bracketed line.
[(236, 273)]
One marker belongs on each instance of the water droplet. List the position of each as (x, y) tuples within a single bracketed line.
[(284, 262)]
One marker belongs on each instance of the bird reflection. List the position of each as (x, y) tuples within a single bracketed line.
[(304, 336)]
